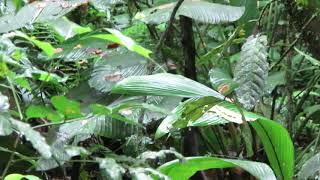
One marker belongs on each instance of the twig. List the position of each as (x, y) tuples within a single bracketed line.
[(201, 38), (262, 12), (17, 138), (295, 41), (4, 173), (170, 23), (307, 93)]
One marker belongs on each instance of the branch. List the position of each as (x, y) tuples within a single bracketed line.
[(303, 29), (170, 23)]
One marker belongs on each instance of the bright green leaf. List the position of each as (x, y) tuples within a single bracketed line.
[(71, 109), (43, 112), (177, 170)]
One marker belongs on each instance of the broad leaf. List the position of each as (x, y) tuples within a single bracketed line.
[(95, 45), (149, 109), (186, 114), (69, 108), (43, 112), (20, 176), (201, 11), (278, 147), (37, 12), (177, 170), (164, 84), (100, 125), (221, 81), (310, 167), (275, 138), (36, 139), (129, 43), (117, 66), (45, 46)]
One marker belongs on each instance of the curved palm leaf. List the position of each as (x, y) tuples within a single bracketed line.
[(164, 84)]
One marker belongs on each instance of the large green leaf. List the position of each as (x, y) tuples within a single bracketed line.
[(36, 139), (177, 170), (278, 147), (201, 11), (164, 84), (20, 176), (274, 137), (39, 11)]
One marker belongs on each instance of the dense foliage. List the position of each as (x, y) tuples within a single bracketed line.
[(161, 89)]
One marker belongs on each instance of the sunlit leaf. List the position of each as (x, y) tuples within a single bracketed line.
[(20, 176)]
